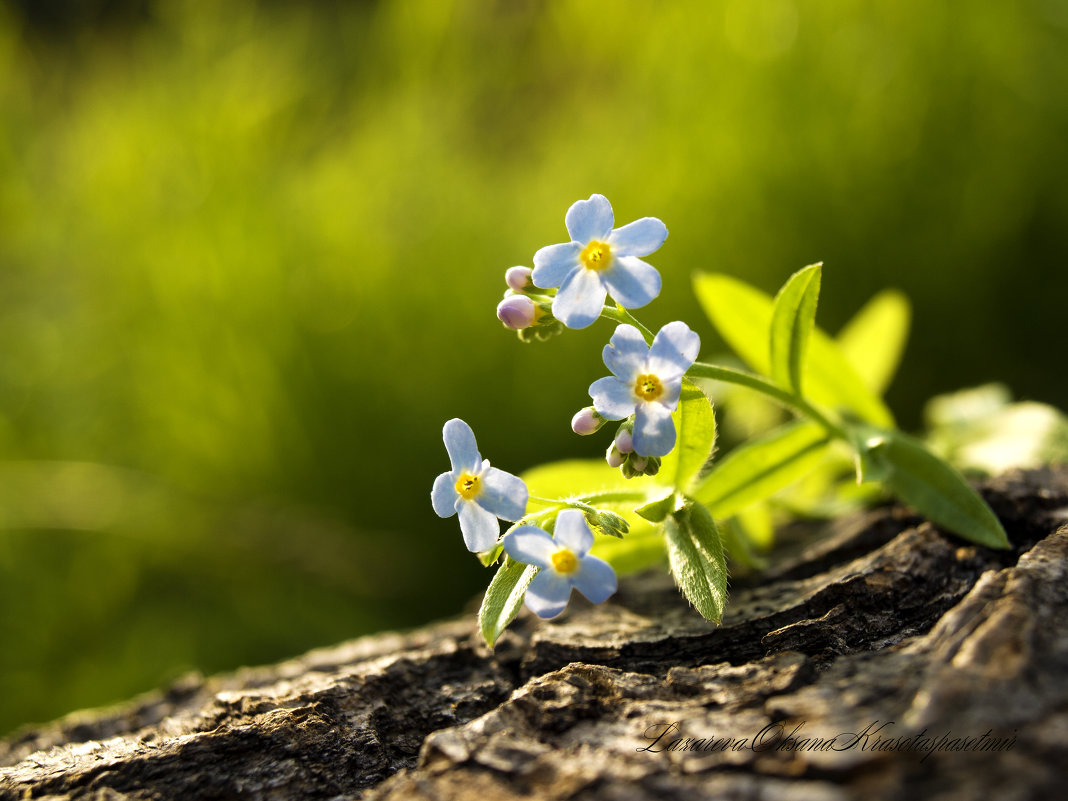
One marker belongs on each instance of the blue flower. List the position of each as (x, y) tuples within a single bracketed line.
[(646, 382), (564, 561), (599, 260), (474, 490)]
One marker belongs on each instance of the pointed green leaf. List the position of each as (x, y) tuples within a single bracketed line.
[(695, 553), (761, 467), (792, 319), (695, 424), (656, 511), (503, 598), (742, 315), (934, 488), (874, 340)]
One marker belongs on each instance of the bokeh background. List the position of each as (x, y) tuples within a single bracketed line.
[(250, 253)]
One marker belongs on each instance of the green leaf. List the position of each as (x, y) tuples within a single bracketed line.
[(866, 443), (695, 422), (487, 558), (739, 545), (656, 511), (792, 320), (874, 340), (761, 467), (742, 315), (503, 598), (695, 553), (571, 477), (934, 488), (635, 552)]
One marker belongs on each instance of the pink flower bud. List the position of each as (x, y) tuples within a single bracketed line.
[(518, 278), (614, 457), (516, 312), (625, 442), (586, 421)]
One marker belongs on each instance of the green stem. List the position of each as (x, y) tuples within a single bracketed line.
[(543, 501), (621, 315), (755, 382), (604, 496), (609, 496), (762, 385)]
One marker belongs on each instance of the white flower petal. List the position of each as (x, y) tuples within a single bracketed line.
[(553, 262), (460, 443), (639, 238), (548, 593), (580, 299), (595, 579), (591, 219), (612, 398), (503, 494), (674, 349), (625, 353), (530, 545), (631, 282), (444, 495), (572, 532), (654, 430), (479, 527)]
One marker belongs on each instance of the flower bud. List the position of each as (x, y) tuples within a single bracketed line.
[(614, 457), (624, 441), (652, 466), (639, 463), (516, 312), (611, 523), (518, 278), (587, 421)]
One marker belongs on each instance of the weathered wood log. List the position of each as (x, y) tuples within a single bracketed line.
[(884, 660)]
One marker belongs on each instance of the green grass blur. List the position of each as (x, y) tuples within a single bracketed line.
[(250, 253)]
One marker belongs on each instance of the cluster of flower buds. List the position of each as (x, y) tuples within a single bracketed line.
[(526, 309), (621, 454)]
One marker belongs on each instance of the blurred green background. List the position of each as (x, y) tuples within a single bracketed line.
[(250, 253)]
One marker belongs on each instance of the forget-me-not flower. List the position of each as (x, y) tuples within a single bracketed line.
[(565, 562), (477, 492), (646, 381), (597, 261)]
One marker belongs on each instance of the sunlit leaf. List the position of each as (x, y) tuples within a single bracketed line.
[(503, 598), (695, 553), (762, 467), (656, 511), (934, 488), (695, 423), (571, 477), (874, 340), (792, 319), (738, 544), (742, 315), (638, 550)]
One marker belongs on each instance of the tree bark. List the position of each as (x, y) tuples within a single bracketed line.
[(883, 660)]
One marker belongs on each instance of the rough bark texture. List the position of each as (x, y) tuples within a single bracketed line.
[(857, 668)]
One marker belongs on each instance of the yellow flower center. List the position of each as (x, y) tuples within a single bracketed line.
[(468, 486), (564, 561), (648, 387), (596, 255)]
